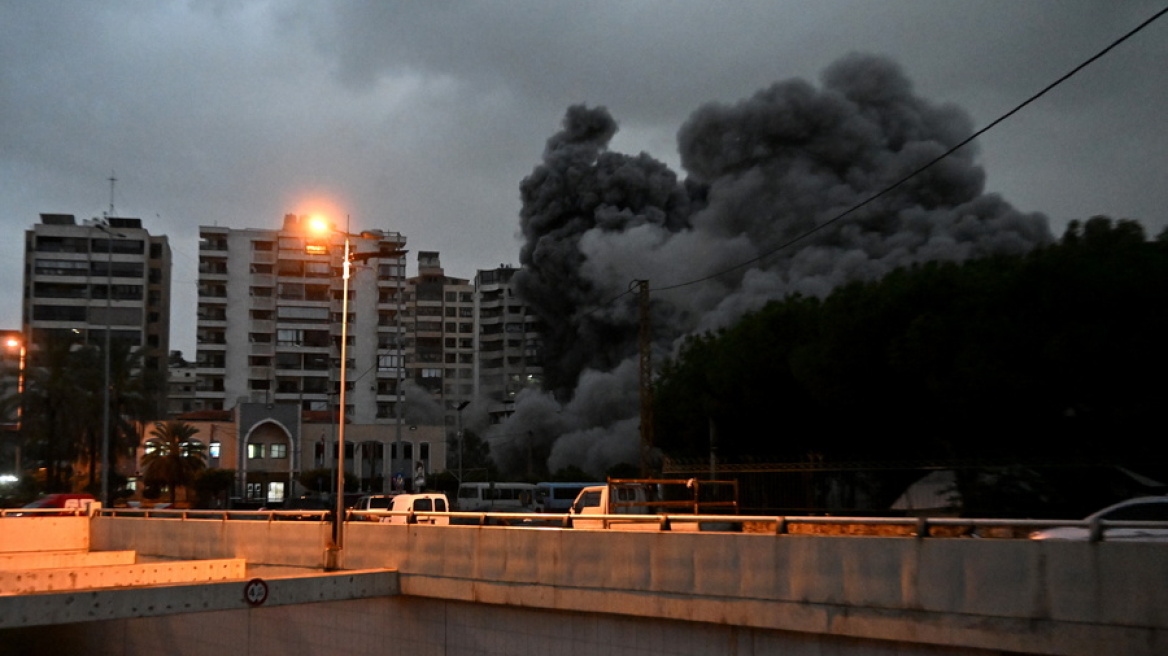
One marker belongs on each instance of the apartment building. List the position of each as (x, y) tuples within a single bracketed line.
[(508, 342), (270, 319), (440, 336), (83, 279)]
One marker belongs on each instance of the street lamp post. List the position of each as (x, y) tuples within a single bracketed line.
[(12, 344), (460, 408), (339, 521), (105, 397), (323, 227)]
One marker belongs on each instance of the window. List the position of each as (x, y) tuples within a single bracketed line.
[(278, 451), (215, 449), (59, 290), (289, 337), (296, 313), (255, 451), (288, 361), (388, 362), (291, 244), (61, 267), (292, 291), (317, 269), (59, 313), (261, 245), (317, 293), (316, 385), (316, 361), (118, 269)]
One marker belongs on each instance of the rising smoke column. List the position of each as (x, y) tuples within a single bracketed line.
[(583, 188), (760, 172)]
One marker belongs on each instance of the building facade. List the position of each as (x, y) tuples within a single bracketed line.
[(270, 445), (440, 344), (508, 342), (269, 320), (82, 280)]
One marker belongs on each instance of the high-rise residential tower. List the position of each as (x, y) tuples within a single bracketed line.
[(269, 319), (82, 279), (440, 329), (509, 342)]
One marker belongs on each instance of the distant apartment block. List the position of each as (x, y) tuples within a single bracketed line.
[(82, 279), (441, 336), (508, 344), (269, 320)]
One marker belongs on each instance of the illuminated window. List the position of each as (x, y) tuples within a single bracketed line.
[(214, 450), (278, 451), (255, 451)]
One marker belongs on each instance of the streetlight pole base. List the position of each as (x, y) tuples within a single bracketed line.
[(334, 557)]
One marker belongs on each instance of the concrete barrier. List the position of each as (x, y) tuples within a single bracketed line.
[(43, 533), (121, 576), (1007, 595), (59, 559)]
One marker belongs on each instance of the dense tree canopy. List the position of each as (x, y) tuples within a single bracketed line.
[(1052, 356), (61, 409)]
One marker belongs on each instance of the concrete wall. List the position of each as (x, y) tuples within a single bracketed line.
[(1007, 595), (395, 626), (43, 533)]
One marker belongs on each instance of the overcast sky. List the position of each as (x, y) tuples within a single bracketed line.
[(423, 117)]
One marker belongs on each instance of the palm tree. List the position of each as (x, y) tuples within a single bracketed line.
[(62, 408), (172, 458)]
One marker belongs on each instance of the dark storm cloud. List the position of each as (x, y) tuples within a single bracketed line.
[(423, 116)]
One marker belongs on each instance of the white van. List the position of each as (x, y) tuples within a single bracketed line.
[(418, 506), (496, 497)]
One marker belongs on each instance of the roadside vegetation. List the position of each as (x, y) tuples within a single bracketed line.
[(1054, 358)]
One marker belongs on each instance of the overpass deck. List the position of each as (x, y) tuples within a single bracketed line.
[(973, 595)]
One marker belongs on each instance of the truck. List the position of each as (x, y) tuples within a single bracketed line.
[(658, 503)]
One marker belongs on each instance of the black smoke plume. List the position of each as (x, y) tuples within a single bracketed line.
[(761, 172)]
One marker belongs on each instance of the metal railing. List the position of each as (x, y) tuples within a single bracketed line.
[(917, 527)]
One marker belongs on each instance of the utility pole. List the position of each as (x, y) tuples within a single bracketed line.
[(645, 343)]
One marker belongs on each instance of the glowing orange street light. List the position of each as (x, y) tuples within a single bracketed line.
[(323, 227), (13, 343)]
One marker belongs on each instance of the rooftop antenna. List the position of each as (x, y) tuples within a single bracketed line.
[(112, 179)]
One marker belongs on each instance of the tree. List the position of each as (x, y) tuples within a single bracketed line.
[(62, 408), (212, 487), (1014, 361), (172, 458)]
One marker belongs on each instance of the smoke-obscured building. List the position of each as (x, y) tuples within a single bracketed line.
[(441, 337), (81, 280), (508, 345)]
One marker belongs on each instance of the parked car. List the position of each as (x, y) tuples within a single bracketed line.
[(65, 501), (1140, 509), (373, 502), (315, 509)]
